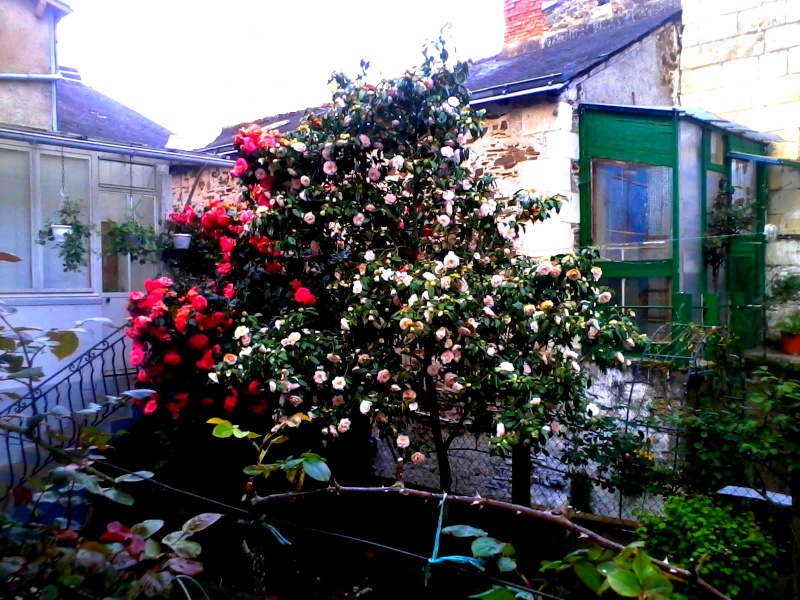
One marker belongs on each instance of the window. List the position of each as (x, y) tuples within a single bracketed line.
[(650, 298), (16, 230), (631, 210)]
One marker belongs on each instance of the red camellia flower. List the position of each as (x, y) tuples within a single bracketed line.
[(231, 401), (136, 296), (240, 168), (137, 356), (229, 291), (227, 244), (305, 297), (150, 407), (259, 407), (224, 269), (199, 303), (296, 284), (173, 359), (207, 401), (198, 341), (274, 267), (207, 362)]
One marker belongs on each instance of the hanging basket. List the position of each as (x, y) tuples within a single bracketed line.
[(59, 232), (181, 241), (133, 239)]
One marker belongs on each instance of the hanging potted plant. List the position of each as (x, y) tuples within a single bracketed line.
[(70, 234), (134, 237), (181, 226), (790, 334)]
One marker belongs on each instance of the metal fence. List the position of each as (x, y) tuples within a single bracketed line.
[(69, 400)]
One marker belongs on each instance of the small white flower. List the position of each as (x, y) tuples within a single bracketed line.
[(240, 331), (345, 325), (365, 406), (299, 147), (446, 151), (338, 383), (343, 426), (213, 377), (506, 366), (620, 358), (453, 101), (369, 255), (501, 430), (403, 441), (413, 406), (451, 261), (357, 287), (536, 401), (320, 377), (592, 410)]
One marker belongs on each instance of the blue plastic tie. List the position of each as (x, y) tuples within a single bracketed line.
[(436, 559)]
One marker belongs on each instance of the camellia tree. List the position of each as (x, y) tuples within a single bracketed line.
[(365, 273)]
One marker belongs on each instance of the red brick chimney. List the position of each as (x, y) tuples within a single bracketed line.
[(524, 21)]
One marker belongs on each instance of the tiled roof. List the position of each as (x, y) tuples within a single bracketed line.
[(283, 122), (86, 112)]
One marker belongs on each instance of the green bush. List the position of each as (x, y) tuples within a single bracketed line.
[(728, 549)]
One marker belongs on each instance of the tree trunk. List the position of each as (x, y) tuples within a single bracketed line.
[(445, 473), (521, 474)]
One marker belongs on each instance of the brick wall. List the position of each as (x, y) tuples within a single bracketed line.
[(524, 20)]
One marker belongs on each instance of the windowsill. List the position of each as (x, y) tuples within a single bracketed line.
[(55, 299)]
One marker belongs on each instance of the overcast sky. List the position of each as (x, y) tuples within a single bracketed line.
[(195, 66)]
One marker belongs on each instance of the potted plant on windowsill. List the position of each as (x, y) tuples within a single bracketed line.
[(790, 334), (70, 233), (181, 227), (134, 237)]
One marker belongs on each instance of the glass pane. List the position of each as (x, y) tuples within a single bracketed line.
[(690, 210), (632, 210), (113, 208), (744, 180), (650, 298), (15, 226), (713, 180), (717, 149), (127, 175), (145, 207), (76, 188)]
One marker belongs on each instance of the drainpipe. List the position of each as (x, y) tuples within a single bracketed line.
[(49, 77)]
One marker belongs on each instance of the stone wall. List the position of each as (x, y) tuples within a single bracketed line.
[(562, 15), (741, 60), (25, 42), (215, 183)]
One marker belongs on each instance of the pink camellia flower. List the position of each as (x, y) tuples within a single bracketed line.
[(137, 357), (309, 218), (320, 377), (240, 168), (369, 208), (544, 268), (403, 441), (451, 261), (597, 273), (358, 219), (384, 375), (488, 301), (390, 199), (343, 426), (409, 395), (329, 167), (447, 357), (337, 400), (338, 383), (444, 220), (295, 400), (556, 271), (433, 369), (373, 174), (418, 458), (305, 181), (136, 296), (150, 407), (497, 280), (604, 297), (365, 407), (365, 143)]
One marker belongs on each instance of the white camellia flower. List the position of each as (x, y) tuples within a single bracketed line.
[(369, 255), (357, 287), (240, 331), (345, 325), (536, 401), (506, 366), (343, 426), (501, 430), (592, 409), (453, 101), (451, 261), (365, 406), (446, 151), (338, 383), (213, 377)]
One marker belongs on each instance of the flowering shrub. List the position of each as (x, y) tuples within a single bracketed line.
[(366, 272)]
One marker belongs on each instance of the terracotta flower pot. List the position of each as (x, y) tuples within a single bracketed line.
[(60, 231), (790, 343), (181, 241)]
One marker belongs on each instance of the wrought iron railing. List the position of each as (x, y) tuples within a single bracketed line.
[(83, 384)]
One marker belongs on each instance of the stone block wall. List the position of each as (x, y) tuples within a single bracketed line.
[(215, 183), (562, 15), (25, 42)]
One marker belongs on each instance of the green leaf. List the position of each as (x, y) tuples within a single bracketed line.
[(147, 528), (497, 593), (223, 430), (588, 574), (314, 466), (186, 548), (506, 564), (642, 567), (607, 568), (118, 496), (152, 548), (137, 476), (200, 522), (68, 343), (51, 591), (142, 394), (486, 546), (31, 373), (656, 585), (624, 583), (463, 531)]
